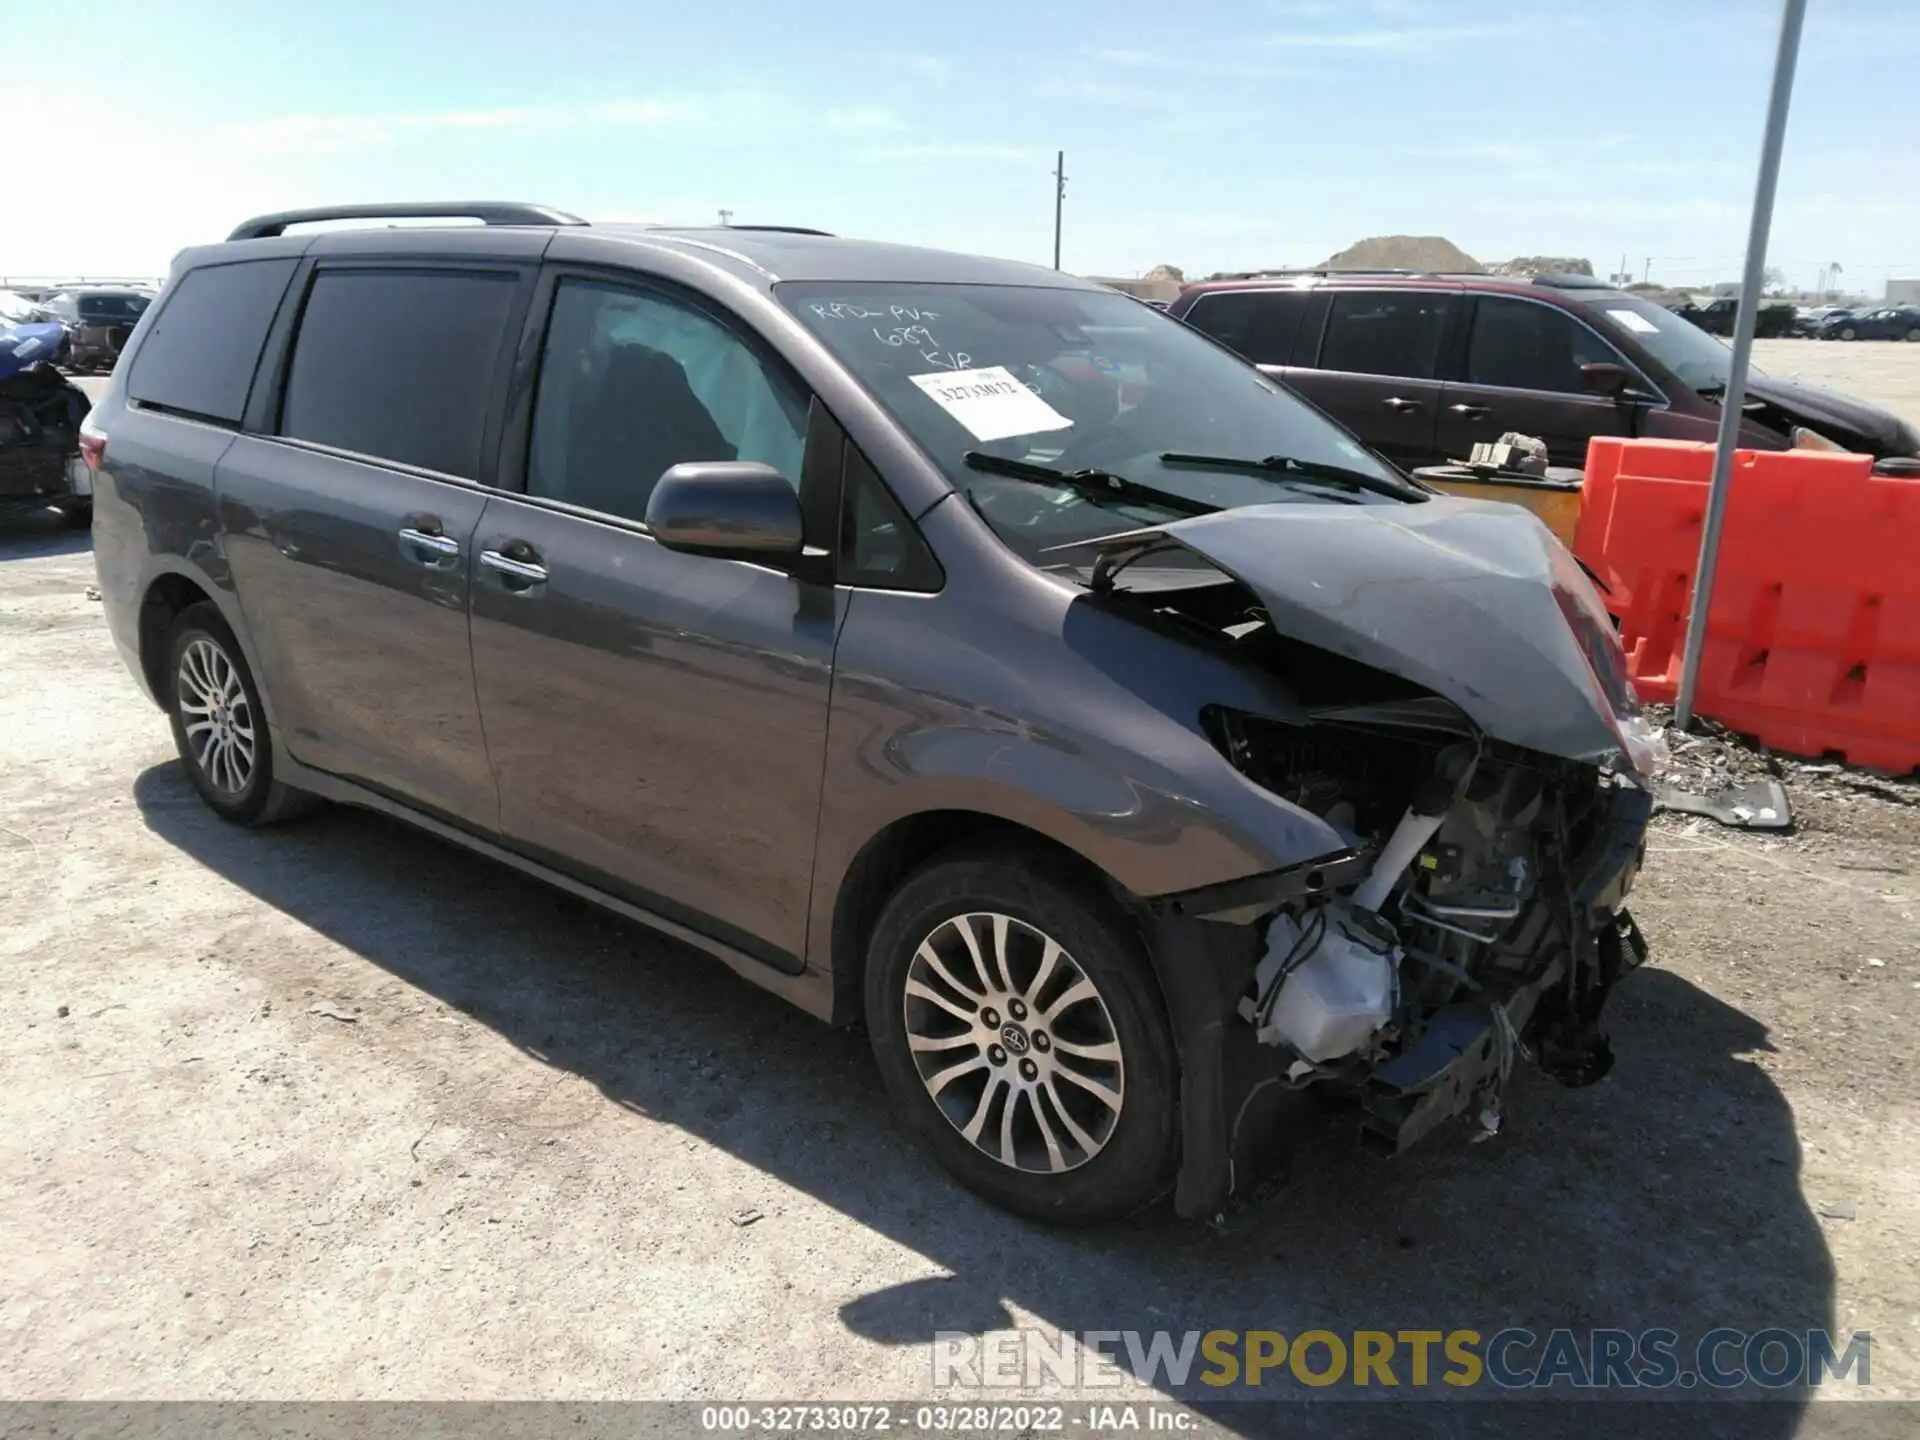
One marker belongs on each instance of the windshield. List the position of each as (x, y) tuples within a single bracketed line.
[(1701, 361), (113, 307), (1075, 380)]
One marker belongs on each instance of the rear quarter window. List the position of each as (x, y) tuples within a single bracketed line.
[(1258, 325), (199, 355), (398, 364)]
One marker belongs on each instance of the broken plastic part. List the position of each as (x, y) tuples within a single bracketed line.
[(1645, 742), (1326, 984), (1408, 839)]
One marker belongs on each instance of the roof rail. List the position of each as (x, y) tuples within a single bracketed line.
[(784, 229), (1310, 270), (1556, 280), (487, 212)]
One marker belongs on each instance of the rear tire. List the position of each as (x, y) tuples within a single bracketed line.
[(1034, 1059), (220, 726), (75, 514), (1848, 334)]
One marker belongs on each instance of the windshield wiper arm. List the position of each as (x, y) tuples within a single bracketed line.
[(1285, 465), (1091, 484)]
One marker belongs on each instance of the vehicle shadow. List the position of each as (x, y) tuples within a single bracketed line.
[(1666, 1196), (32, 534)]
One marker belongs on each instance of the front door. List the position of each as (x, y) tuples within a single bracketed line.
[(1375, 371), (348, 534), (657, 721), (1522, 374)]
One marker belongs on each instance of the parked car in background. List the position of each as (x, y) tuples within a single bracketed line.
[(1897, 322), (941, 642), (98, 321), (1421, 367), (1716, 317), (40, 415)]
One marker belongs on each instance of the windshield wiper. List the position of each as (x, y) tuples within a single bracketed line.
[(1285, 465), (1090, 484)]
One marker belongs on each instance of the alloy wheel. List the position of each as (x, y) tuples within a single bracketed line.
[(216, 715), (1014, 1043)]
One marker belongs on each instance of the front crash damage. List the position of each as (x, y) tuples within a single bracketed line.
[(1470, 733)]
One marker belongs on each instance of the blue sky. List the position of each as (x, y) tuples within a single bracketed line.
[(1210, 134)]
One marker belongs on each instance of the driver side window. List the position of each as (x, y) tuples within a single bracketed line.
[(633, 383)]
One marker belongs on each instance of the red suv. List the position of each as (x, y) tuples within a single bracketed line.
[(1421, 366)]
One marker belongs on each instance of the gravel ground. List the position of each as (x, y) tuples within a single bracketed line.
[(338, 1111), (1886, 372)]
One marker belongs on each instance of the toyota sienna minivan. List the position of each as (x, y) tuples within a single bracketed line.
[(943, 643)]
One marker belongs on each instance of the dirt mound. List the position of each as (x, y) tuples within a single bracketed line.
[(1543, 265), (1404, 252)]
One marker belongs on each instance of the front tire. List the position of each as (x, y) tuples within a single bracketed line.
[(1020, 1031), (219, 724)]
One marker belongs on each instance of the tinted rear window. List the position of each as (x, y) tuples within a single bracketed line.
[(198, 357), (110, 308), (398, 364), (1384, 332), (1257, 324)]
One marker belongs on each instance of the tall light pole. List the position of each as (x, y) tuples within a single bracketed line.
[(1059, 199), (1733, 399)]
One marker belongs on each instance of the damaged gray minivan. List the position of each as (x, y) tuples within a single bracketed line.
[(943, 643)]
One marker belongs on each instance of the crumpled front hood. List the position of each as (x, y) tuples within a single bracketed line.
[(1471, 599), (1839, 417)]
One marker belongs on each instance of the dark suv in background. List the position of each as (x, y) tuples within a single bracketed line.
[(98, 320), (941, 642), (1422, 366)]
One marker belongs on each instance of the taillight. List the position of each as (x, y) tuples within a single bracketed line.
[(93, 448)]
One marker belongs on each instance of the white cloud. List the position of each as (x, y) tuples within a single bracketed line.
[(1180, 63), (332, 134), (863, 120), (1409, 37), (955, 151)]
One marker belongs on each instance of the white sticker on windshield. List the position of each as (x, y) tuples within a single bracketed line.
[(1635, 321), (990, 403)]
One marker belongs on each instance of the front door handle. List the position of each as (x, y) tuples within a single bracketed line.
[(428, 547), (1469, 412), (1400, 405), (517, 576)]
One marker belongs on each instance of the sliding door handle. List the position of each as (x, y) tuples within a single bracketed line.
[(519, 576)]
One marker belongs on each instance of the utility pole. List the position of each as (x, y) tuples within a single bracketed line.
[(1059, 199), (1733, 396), (1646, 275), (1625, 278)]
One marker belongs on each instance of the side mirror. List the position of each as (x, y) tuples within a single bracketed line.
[(1605, 378), (737, 509)]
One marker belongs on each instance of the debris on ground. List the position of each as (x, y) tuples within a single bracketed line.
[(63, 1012), (332, 1011), (1837, 1210), (1714, 772), (93, 592), (746, 1217), (1756, 805)]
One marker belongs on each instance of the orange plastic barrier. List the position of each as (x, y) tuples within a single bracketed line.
[(1813, 636)]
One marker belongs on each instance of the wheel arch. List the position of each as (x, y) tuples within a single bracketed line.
[(904, 846), (167, 596)]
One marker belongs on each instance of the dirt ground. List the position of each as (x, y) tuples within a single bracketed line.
[(1883, 371), (338, 1111)]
